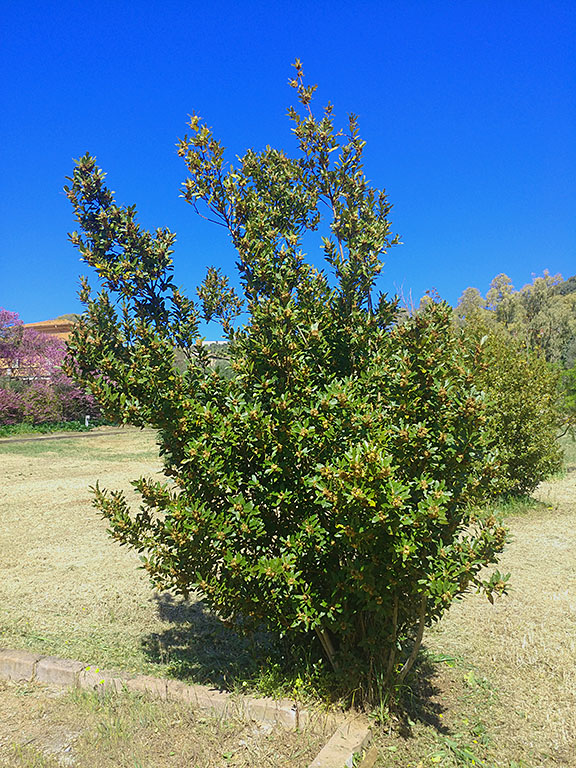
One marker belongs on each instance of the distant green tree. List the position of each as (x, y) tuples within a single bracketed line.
[(325, 490), (548, 319), (541, 316), (471, 303), (566, 286), (568, 399), (500, 299), (522, 406), (540, 319)]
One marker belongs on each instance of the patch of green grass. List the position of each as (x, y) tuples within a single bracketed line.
[(518, 505), (196, 646), (14, 430), (97, 447), (27, 756), (443, 719), (47, 448)]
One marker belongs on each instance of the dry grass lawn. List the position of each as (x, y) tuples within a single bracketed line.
[(499, 686), (505, 694), (67, 589), (45, 727)]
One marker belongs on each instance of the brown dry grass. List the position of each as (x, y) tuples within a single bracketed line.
[(46, 727), (507, 695), (67, 589)]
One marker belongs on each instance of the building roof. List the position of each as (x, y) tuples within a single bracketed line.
[(59, 327)]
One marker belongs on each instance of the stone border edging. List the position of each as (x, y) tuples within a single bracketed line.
[(25, 666), (350, 739), (351, 736)]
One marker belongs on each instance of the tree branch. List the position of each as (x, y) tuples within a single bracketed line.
[(417, 643)]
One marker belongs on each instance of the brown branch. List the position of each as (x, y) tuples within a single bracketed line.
[(392, 655), (417, 643), (326, 643)]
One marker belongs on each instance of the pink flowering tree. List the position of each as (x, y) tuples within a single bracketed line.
[(26, 353), (33, 386)]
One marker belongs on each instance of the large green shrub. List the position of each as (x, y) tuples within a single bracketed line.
[(522, 407), (325, 489)]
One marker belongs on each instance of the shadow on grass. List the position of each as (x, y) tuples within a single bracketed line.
[(197, 646), (422, 698), (519, 505)]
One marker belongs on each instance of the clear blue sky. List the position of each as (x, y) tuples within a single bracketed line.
[(468, 108)]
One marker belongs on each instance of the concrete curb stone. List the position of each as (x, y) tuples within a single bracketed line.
[(370, 758), (18, 665), (30, 667), (351, 738), (56, 671), (150, 686)]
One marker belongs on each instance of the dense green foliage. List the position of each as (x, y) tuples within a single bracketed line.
[(326, 488), (522, 408), (13, 430), (568, 389), (529, 378), (541, 316)]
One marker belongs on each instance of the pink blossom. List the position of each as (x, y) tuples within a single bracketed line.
[(31, 363)]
